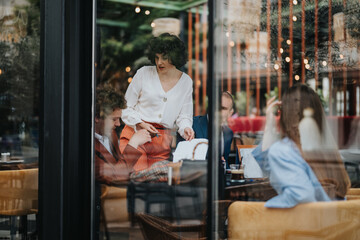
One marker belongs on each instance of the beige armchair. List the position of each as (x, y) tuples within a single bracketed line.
[(19, 196), (114, 206), (319, 220)]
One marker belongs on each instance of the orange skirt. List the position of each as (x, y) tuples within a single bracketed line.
[(158, 149)]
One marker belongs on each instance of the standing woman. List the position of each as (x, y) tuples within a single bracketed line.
[(158, 98)]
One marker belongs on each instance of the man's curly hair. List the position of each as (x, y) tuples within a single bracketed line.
[(170, 46), (108, 100)]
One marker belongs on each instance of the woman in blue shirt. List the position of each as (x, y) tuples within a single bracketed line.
[(300, 175)]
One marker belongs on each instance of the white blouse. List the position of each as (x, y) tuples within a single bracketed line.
[(147, 101)]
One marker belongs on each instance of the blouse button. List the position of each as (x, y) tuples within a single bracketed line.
[(164, 99), (159, 115)]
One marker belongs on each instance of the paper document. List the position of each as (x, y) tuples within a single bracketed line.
[(186, 150), (252, 168)]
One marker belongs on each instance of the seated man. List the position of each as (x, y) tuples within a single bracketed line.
[(110, 164), (200, 125)]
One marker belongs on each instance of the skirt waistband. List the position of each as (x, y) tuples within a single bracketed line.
[(158, 126)]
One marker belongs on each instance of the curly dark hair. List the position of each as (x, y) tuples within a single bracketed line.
[(170, 46), (108, 100)]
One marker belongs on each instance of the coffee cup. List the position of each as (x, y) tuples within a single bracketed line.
[(237, 174)]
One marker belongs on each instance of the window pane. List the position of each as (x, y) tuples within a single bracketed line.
[(19, 114), (149, 180), (264, 49)]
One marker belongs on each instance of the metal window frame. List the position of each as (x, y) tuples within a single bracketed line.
[(66, 128)]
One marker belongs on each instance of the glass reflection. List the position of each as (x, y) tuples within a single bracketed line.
[(19, 115), (143, 54)]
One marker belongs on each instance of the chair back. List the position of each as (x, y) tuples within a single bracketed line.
[(18, 192), (317, 220), (353, 193), (239, 147)]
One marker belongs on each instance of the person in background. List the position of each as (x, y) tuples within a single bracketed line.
[(158, 98), (110, 165), (300, 174), (200, 126)]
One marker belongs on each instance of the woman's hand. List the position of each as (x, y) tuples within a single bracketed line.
[(271, 108), (150, 128), (270, 135), (189, 134), (139, 138)]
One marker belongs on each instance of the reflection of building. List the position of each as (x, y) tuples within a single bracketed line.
[(13, 21)]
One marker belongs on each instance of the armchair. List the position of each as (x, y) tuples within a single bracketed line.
[(318, 220)]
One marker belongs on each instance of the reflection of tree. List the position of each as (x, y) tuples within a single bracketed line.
[(20, 78), (125, 45)]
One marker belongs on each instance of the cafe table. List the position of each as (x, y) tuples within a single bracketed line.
[(249, 189), (18, 163)]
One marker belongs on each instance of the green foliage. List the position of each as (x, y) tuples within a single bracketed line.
[(273, 93), (240, 103), (124, 46), (20, 64), (323, 100), (352, 13)]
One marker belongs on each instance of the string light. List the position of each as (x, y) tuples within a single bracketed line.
[(129, 79), (227, 34), (281, 50), (287, 59), (128, 69), (276, 66), (294, 18), (0, 71), (324, 63), (153, 24), (297, 77), (288, 42), (147, 12), (306, 61), (295, 2), (231, 43), (307, 66), (341, 56), (137, 9)]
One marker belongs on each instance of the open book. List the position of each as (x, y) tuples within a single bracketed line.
[(195, 149)]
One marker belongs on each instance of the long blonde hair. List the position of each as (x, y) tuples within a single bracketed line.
[(326, 162)]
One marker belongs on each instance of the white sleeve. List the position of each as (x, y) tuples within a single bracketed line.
[(185, 117), (129, 115)]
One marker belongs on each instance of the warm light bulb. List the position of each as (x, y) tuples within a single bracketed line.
[(294, 18), (307, 66), (341, 56), (129, 79), (295, 2), (324, 63), (152, 24), (287, 59), (288, 42), (276, 66), (227, 34), (231, 43), (147, 12), (281, 50), (0, 71), (306, 61), (137, 9), (128, 69), (297, 77)]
